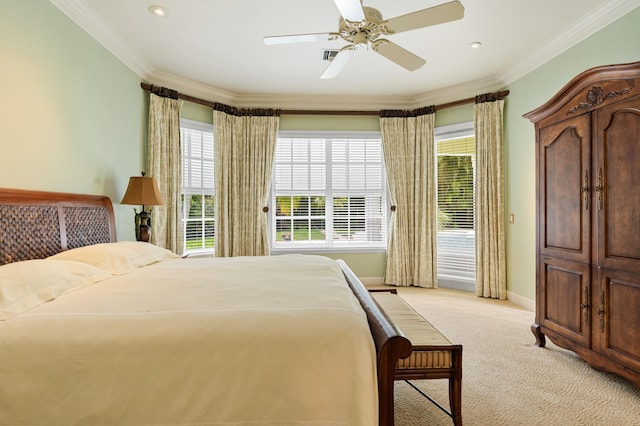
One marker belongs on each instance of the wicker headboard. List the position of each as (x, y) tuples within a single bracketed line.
[(38, 224)]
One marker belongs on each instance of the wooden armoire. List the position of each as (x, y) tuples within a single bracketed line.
[(588, 219)]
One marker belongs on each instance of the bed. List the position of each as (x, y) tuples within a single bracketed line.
[(95, 331)]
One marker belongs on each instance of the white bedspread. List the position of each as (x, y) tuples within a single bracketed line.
[(277, 340)]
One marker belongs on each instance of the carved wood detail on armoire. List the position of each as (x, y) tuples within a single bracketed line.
[(588, 219)]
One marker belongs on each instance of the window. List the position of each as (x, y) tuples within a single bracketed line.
[(456, 157), (329, 191), (198, 218)]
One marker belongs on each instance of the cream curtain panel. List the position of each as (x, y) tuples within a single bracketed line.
[(244, 154), (164, 164), (491, 272), (409, 153)]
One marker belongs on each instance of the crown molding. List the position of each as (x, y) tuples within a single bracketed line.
[(457, 92), (274, 100), (608, 13), (324, 102), (91, 24), (191, 87)]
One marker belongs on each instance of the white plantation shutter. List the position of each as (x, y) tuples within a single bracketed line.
[(329, 191), (301, 165), (197, 186), (358, 187), (456, 160), (300, 176)]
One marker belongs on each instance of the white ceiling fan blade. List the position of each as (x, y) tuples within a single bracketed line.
[(351, 10), (446, 12), (297, 38), (397, 54), (337, 63)]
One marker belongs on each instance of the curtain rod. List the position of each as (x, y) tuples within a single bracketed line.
[(162, 91)]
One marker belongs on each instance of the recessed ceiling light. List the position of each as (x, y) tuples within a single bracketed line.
[(159, 11), (475, 45)]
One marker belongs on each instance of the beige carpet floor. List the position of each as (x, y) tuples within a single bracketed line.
[(506, 379)]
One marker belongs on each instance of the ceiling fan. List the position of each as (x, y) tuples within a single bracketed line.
[(363, 27)]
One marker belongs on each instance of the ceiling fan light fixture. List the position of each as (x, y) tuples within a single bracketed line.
[(361, 46), (159, 11)]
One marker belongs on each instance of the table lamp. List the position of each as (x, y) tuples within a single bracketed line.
[(142, 190)]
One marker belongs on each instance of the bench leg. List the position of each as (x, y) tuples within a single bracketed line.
[(455, 400), (455, 389)]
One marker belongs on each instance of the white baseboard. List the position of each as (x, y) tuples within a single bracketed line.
[(526, 303)]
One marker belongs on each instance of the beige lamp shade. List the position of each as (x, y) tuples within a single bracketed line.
[(142, 190)]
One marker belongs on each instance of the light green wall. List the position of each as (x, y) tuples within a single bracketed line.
[(364, 265), (617, 43), (454, 115), (197, 112), (330, 122), (72, 117)]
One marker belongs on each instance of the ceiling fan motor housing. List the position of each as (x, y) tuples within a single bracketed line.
[(362, 32)]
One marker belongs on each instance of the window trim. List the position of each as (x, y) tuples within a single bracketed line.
[(454, 131), (323, 247), (196, 125)]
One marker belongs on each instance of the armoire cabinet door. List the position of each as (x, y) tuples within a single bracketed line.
[(563, 298), (564, 189), (616, 317), (617, 185)]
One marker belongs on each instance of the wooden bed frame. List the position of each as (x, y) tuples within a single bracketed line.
[(38, 224)]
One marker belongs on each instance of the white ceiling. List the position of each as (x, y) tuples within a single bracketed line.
[(213, 49)]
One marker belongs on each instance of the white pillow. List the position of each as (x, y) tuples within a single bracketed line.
[(117, 258), (27, 284)]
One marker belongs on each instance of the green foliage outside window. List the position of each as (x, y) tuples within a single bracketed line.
[(200, 226), (455, 192), (303, 218)]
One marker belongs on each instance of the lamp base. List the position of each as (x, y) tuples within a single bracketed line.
[(143, 230), (145, 233)]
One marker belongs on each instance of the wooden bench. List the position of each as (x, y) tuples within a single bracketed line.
[(433, 356)]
